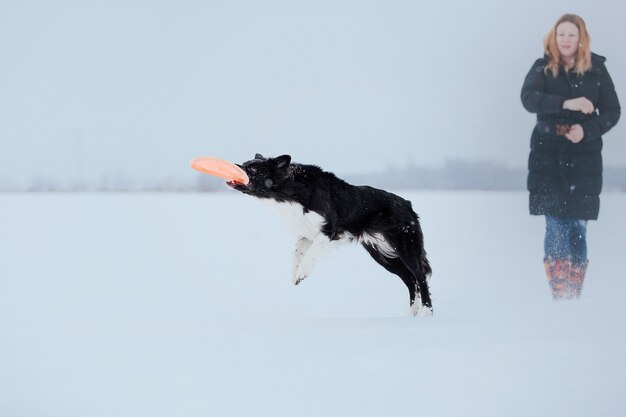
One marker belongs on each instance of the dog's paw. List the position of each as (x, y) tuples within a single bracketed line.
[(298, 278), (420, 310), (302, 271)]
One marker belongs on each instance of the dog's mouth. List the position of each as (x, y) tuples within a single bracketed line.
[(236, 185)]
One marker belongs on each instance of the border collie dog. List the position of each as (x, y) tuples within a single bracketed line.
[(324, 210)]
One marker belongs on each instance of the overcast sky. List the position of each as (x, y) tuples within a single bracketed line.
[(137, 88)]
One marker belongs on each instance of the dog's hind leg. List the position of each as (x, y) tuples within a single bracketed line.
[(426, 307), (395, 266), (318, 247), (423, 306)]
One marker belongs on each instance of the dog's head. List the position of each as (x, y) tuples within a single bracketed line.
[(269, 177)]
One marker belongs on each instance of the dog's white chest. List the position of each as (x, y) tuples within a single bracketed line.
[(302, 224)]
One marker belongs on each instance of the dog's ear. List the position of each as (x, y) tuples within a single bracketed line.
[(282, 161), (258, 156)]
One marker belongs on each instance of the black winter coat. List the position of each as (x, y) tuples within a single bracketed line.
[(565, 179)]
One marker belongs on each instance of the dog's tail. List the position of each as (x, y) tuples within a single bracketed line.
[(424, 264), (428, 271)]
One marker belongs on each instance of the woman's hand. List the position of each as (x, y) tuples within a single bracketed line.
[(581, 104), (575, 133)]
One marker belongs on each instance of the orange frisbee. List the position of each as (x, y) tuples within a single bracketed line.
[(220, 168)]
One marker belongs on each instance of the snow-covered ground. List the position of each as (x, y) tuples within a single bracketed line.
[(182, 305)]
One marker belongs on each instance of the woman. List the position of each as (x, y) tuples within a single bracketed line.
[(573, 96)]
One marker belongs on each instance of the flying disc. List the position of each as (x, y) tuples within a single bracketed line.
[(220, 168)]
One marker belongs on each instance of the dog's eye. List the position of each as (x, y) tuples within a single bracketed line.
[(268, 183)]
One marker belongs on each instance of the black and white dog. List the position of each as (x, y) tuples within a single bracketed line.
[(324, 209)]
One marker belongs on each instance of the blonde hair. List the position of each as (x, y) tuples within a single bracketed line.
[(583, 56)]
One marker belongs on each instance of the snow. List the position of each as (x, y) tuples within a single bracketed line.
[(183, 305)]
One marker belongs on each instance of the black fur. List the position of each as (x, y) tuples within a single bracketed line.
[(348, 211)]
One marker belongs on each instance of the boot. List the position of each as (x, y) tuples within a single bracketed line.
[(577, 277), (556, 271), (565, 278)]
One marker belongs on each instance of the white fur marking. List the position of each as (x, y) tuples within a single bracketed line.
[(378, 241), (303, 224), (417, 309)]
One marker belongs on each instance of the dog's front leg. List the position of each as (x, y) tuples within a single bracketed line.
[(302, 246), (309, 255)]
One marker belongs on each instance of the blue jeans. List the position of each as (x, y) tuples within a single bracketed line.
[(566, 239)]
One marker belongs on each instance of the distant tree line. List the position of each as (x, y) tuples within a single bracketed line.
[(453, 175), (469, 175)]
